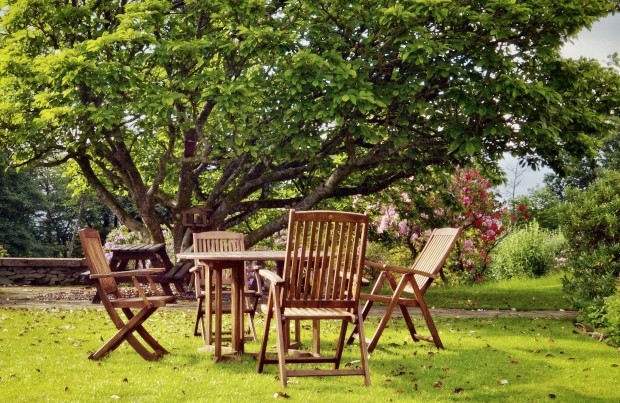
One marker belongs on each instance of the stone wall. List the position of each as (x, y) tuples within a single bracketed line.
[(41, 271)]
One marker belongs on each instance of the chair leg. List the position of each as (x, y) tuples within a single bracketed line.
[(388, 311), (125, 332), (340, 344), (281, 344), (263, 346), (355, 333), (199, 319), (316, 337), (251, 326), (208, 316), (429, 320), (363, 352), (376, 290), (146, 336), (251, 307)]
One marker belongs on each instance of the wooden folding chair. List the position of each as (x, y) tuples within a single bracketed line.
[(220, 241), (111, 298), (321, 279), (413, 281)]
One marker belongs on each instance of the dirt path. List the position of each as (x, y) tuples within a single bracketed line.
[(80, 297)]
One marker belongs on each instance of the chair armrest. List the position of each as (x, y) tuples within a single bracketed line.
[(271, 276), (397, 269), (129, 273)]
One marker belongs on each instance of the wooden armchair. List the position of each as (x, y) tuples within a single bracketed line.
[(220, 241), (413, 281), (111, 298), (321, 280)]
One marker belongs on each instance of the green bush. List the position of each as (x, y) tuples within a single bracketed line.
[(398, 255), (611, 318), (590, 277), (591, 225), (530, 251)]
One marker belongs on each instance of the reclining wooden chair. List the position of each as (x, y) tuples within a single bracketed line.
[(413, 281), (321, 279), (220, 241), (111, 298)]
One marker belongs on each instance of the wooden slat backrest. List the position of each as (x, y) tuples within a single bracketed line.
[(95, 258), (218, 241), (434, 254), (325, 255)]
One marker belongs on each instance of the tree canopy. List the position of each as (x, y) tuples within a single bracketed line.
[(248, 107)]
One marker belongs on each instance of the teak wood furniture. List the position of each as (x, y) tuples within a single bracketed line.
[(235, 261), (136, 309), (207, 281), (410, 289), (320, 280)]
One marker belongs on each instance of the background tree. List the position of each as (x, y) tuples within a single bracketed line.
[(20, 198), (580, 173), (39, 215), (62, 212), (250, 107)]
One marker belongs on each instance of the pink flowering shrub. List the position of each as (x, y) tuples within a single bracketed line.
[(467, 202)]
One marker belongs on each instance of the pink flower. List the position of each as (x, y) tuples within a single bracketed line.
[(468, 245), (402, 228)]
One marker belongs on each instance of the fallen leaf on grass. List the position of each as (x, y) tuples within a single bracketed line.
[(503, 382), (281, 394)]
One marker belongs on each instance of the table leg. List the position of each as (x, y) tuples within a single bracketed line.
[(237, 286), (218, 314)]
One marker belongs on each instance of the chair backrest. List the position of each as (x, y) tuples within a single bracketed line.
[(325, 253), (219, 241), (434, 254), (95, 259)]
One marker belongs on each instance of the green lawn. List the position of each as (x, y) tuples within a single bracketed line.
[(522, 294), (43, 358)]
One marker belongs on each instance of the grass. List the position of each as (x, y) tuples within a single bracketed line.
[(522, 294), (43, 357)]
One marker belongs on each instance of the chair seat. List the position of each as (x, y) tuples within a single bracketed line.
[(314, 313), (137, 302)]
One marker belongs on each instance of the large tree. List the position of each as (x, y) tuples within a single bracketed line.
[(250, 106)]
